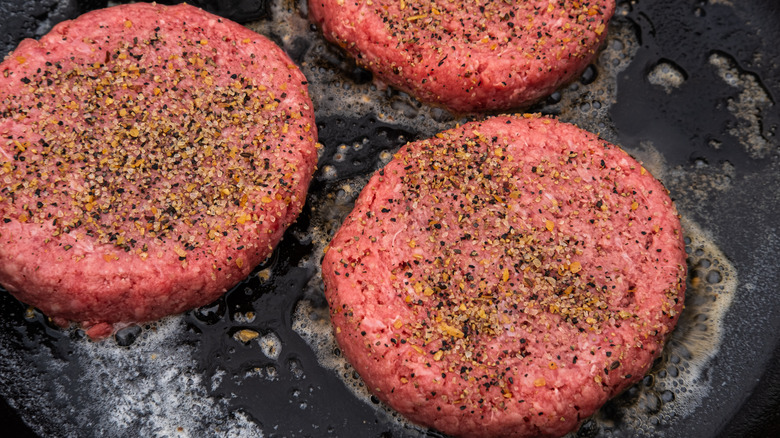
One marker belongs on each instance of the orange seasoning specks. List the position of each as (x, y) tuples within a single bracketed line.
[(438, 51), (504, 297), (164, 142)]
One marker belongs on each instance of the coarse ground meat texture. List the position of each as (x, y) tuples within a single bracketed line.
[(151, 157), (468, 56), (506, 278)]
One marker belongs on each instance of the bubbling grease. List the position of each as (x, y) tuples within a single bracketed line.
[(666, 75), (141, 390), (752, 100)]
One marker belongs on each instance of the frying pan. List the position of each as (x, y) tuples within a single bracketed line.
[(689, 87)]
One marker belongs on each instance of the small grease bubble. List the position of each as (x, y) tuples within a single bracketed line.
[(554, 98), (296, 368), (271, 346), (652, 403), (588, 75), (667, 75), (271, 372), (127, 336), (385, 156), (244, 317), (714, 277), (212, 313), (328, 172)]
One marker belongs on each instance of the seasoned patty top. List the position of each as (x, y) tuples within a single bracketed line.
[(501, 260), (538, 26), (145, 122), (474, 55)]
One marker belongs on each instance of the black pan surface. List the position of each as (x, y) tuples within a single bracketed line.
[(688, 87)]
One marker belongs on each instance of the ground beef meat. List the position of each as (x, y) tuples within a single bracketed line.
[(468, 56), (151, 157), (506, 278)]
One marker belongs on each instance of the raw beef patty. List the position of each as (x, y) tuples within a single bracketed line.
[(151, 157), (506, 278), (468, 56)]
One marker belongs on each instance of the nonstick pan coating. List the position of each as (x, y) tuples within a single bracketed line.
[(688, 87)]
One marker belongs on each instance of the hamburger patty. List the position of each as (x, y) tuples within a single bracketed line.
[(506, 278), (468, 56), (151, 157)]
